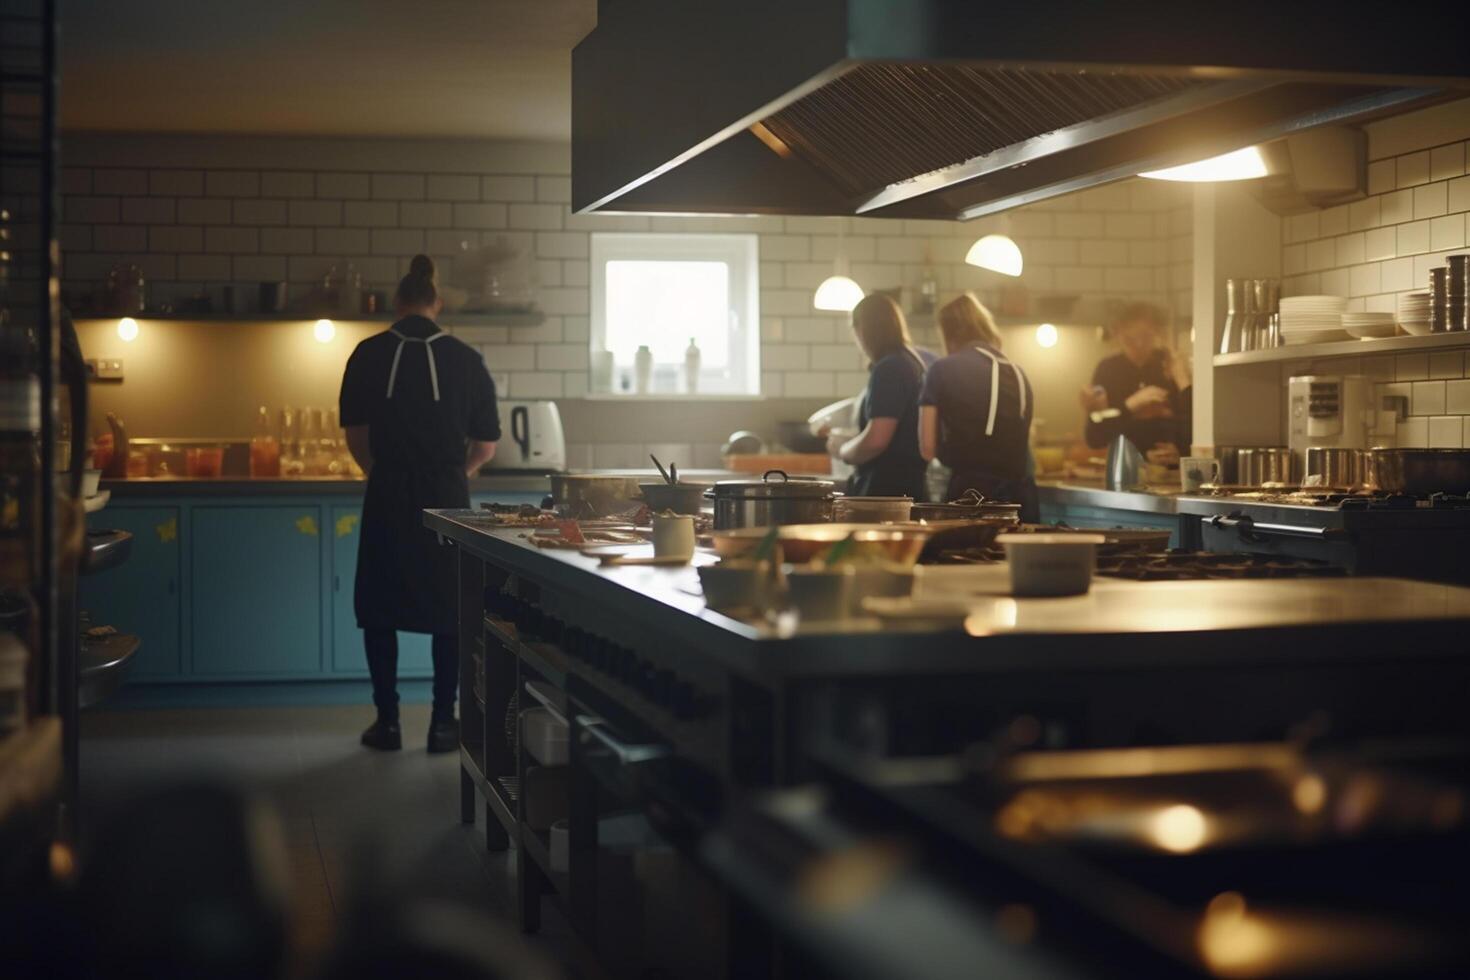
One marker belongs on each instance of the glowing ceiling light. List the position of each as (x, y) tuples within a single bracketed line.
[(998, 253), (127, 329), (1046, 335), (1181, 828), (324, 331), (1242, 164), (838, 294)]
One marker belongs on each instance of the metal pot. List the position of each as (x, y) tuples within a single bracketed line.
[(1420, 471), (1229, 460), (971, 506), (1260, 465), (681, 498), (583, 495), (872, 510), (768, 501), (1329, 467)]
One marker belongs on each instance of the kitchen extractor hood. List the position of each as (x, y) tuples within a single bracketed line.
[(960, 108)]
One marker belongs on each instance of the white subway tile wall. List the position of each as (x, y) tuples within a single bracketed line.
[(195, 228), (1414, 216)]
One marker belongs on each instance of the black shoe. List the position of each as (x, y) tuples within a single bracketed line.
[(384, 736), (443, 734)]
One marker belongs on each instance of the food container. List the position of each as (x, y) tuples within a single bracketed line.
[(545, 736), (204, 462), (1330, 467), (673, 536), (801, 543), (737, 584), (1050, 564), (821, 594), (871, 510), (584, 495), (773, 499), (681, 498), (1260, 465), (1420, 471)]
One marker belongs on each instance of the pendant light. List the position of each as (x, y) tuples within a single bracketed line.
[(998, 253), (1246, 163), (838, 293)]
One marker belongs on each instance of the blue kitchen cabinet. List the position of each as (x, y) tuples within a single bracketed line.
[(142, 595), (414, 656), (256, 591)]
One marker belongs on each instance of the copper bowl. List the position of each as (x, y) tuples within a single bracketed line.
[(800, 543)]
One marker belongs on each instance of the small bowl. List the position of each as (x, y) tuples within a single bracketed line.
[(1050, 564), (734, 584), (681, 498), (821, 594)]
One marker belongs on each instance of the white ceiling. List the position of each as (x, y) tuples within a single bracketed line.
[(447, 68)]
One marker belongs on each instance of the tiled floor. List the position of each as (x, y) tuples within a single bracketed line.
[(354, 820)]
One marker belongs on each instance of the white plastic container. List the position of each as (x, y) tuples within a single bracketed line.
[(673, 537), (545, 736), (1050, 564)]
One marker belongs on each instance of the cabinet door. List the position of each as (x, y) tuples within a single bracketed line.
[(415, 658), (142, 595), (257, 589)]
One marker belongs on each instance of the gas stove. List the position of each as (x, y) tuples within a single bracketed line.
[(1355, 499), (1125, 559)]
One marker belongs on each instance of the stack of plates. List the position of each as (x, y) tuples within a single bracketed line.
[(1312, 319), (1370, 325), (1414, 313)]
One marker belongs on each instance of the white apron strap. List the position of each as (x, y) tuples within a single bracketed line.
[(995, 360), (428, 350)]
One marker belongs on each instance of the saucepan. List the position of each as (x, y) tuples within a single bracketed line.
[(801, 543), (1420, 471)]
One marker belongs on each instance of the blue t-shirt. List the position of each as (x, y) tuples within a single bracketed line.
[(960, 387), (893, 393)]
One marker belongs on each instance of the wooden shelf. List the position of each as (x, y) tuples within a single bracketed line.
[(532, 319), (1347, 348)]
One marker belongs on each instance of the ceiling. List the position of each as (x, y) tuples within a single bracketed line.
[(497, 69)]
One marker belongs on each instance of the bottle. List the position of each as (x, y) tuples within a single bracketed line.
[(643, 369), (265, 448), (350, 300), (692, 358), (928, 286)]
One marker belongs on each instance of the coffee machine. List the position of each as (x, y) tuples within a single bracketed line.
[(1327, 410)]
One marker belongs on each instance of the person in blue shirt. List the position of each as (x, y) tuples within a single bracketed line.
[(885, 452), (975, 411)]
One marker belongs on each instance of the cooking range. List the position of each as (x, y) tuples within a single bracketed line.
[(1366, 533)]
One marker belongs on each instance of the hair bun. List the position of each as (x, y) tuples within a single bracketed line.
[(421, 265)]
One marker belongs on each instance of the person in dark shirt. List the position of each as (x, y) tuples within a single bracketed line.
[(1143, 392), (885, 451), (975, 411), (420, 413)]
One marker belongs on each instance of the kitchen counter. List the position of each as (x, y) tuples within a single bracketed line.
[(1087, 493)]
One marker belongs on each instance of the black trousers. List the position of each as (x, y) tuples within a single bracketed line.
[(382, 658)]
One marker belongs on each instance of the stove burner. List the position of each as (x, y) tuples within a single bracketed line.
[(1355, 500)]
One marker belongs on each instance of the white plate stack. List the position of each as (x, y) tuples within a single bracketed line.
[(1414, 313), (1367, 326), (1312, 319)]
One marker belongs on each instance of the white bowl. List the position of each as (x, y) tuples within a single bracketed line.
[(1370, 331), (1416, 328), (1050, 564)]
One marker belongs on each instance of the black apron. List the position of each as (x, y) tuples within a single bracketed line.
[(992, 485), (406, 578)]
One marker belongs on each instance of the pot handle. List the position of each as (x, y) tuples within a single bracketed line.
[(766, 477)]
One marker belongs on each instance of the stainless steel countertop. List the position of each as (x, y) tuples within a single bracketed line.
[(1094, 495), (508, 481)]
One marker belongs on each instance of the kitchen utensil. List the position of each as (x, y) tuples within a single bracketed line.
[(821, 594), (743, 443), (1419, 471), (872, 510), (751, 503), (681, 498), (1195, 471), (971, 506), (1228, 457), (1260, 465), (800, 543), (1332, 467), (673, 472), (673, 537), (1458, 269), (650, 561), (1125, 465), (537, 440), (588, 495), (1050, 564), (736, 584), (1369, 326), (660, 467), (970, 537)]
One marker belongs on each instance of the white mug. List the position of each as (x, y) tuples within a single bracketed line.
[(1195, 471), (673, 537)]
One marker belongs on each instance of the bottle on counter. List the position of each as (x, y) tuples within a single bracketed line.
[(291, 464), (692, 359), (265, 448), (643, 370)]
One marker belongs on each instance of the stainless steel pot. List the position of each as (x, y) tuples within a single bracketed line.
[(583, 495), (773, 499), (1229, 460), (1260, 465), (972, 506), (1420, 471), (1329, 467)]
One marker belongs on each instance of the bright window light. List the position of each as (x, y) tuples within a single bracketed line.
[(1242, 164), (664, 290), (1046, 335)]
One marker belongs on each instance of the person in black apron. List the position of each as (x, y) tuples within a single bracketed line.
[(975, 411), (420, 413), (1148, 384), (885, 451)]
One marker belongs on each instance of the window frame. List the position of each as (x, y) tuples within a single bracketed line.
[(740, 252)]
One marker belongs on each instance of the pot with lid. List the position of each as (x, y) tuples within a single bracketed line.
[(971, 506), (773, 499)]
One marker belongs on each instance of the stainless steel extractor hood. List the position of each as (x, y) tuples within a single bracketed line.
[(959, 108)]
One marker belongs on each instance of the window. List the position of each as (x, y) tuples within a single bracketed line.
[(662, 291)]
